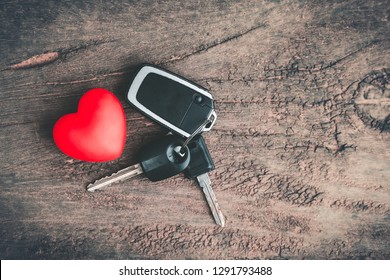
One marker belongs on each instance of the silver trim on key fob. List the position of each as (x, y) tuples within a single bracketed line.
[(139, 78)]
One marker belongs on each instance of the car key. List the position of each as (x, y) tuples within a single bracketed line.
[(158, 160), (172, 101), (199, 166)]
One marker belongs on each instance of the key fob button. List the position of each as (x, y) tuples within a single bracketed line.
[(198, 98)]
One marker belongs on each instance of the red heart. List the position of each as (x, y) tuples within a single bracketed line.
[(97, 132)]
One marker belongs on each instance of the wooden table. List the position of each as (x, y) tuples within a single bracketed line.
[(301, 144)]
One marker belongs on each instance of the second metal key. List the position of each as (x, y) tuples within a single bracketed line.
[(198, 168)]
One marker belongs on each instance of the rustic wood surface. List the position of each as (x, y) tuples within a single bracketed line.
[(301, 144)]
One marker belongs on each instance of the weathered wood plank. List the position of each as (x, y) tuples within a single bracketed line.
[(301, 143)]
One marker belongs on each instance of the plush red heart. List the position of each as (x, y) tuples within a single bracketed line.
[(97, 132)]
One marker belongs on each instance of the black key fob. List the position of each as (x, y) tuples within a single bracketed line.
[(172, 101)]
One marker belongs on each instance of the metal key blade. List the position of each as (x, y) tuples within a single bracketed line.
[(205, 183), (121, 175)]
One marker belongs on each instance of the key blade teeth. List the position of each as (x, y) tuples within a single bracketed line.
[(205, 182), (98, 184), (119, 176), (103, 182)]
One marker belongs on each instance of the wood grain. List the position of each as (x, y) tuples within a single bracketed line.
[(301, 144)]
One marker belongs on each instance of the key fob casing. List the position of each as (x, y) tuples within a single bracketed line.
[(172, 101), (159, 160)]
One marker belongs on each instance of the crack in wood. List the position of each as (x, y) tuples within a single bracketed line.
[(205, 47), (348, 55), (363, 205)]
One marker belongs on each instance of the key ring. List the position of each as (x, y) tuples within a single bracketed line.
[(198, 130)]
